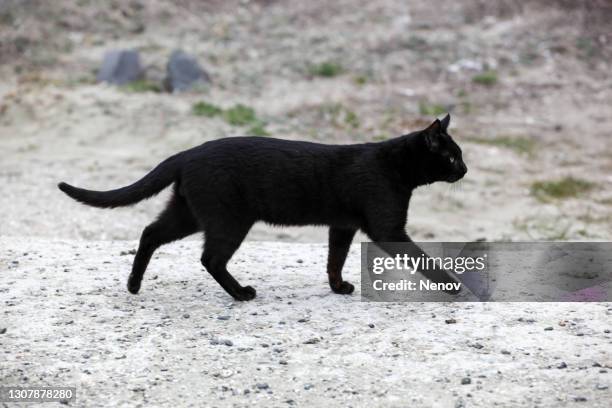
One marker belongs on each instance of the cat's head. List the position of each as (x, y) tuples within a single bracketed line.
[(444, 159)]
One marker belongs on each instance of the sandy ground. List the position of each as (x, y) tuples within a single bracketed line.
[(183, 342), (69, 319)]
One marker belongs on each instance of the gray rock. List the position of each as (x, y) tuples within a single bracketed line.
[(262, 386), (183, 72), (120, 67), (466, 380)]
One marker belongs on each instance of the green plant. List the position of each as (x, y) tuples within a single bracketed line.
[(488, 78), (142, 85), (351, 119), (431, 109), (258, 129), (326, 69), (237, 115), (206, 109), (240, 115), (558, 189), (360, 79)]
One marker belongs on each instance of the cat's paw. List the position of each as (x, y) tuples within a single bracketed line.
[(246, 293), (133, 285), (344, 288)]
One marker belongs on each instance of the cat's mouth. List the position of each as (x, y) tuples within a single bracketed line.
[(458, 175), (455, 177)]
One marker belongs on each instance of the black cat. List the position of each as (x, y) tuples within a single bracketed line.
[(224, 186)]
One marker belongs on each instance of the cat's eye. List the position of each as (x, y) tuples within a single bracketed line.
[(452, 159)]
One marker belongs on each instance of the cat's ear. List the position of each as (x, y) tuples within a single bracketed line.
[(445, 122), (432, 135)]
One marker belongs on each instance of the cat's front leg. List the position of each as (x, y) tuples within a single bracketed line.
[(339, 244), (386, 241)]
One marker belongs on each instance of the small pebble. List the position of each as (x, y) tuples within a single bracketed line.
[(466, 381), (308, 386), (562, 365), (450, 321), (549, 328), (3, 330), (186, 316), (371, 325), (223, 317), (262, 386), (580, 399)]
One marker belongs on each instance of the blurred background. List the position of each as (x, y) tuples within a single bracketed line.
[(528, 85)]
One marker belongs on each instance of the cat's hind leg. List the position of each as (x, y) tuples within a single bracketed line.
[(174, 223), (221, 241), (339, 244)]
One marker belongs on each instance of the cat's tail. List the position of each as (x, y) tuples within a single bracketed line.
[(159, 178)]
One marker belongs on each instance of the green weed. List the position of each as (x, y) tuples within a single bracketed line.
[(206, 109), (566, 187), (142, 85), (487, 78), (431, 109), (326, 69)]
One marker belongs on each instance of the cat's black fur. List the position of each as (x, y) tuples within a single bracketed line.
[(224, 186)]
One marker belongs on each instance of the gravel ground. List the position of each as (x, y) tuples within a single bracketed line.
[(183, 342)]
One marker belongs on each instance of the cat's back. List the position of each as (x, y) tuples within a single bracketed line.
[(266, 152), (254, 145)]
